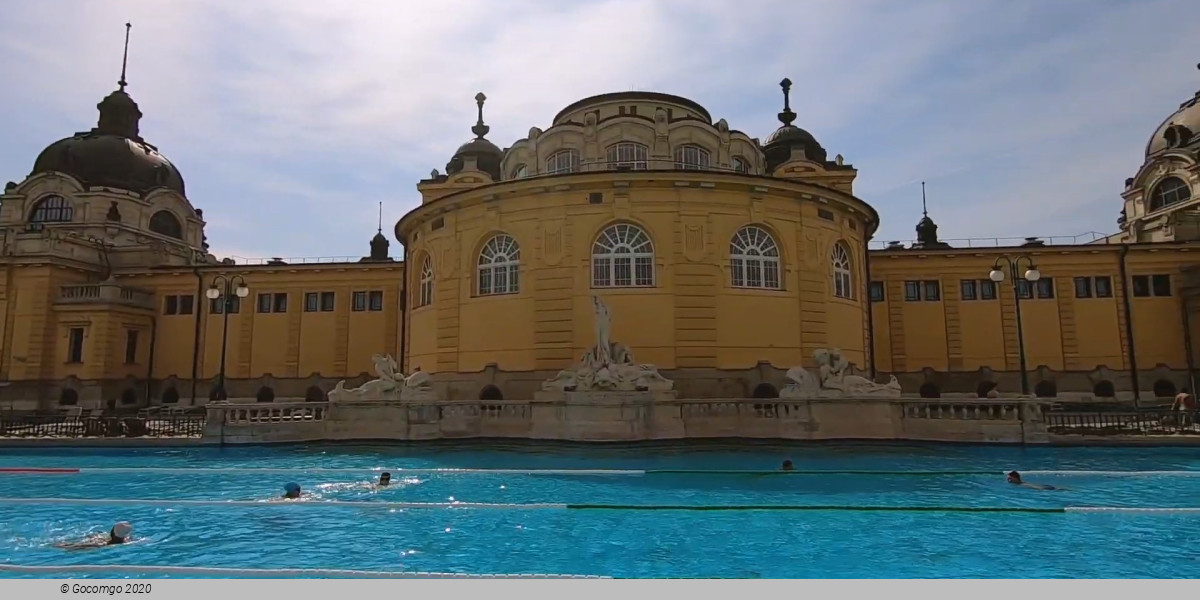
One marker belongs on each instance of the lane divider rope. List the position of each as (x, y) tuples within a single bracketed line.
[(620, 472), (276, 502), (226, 571)]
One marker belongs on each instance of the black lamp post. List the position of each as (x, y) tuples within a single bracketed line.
[(225, 288), (1031, 275)]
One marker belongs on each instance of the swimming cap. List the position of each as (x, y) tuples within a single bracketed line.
[(122, 529), (291, 487)]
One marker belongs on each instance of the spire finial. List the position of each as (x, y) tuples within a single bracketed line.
[(787, 116), (125, 57), (380, 217), (924, 209), (480, 129)]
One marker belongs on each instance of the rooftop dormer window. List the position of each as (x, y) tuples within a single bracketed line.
[(1171, 190)]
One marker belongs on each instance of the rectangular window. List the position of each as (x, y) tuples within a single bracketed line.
[(264, 303), (312, 301), (1141, 286), (1103, 287), (933, 290), (171, 305), (876, 291), (969, 289), (1045, 288), (1024, 289), (987, 289), (187, 304), (327, 301), (375, 301), (75, 345), (825, 214), (358, 302), (1160, 285), (1083, 287), (912, 291), (217, 305), (281, 302), (131, 340)]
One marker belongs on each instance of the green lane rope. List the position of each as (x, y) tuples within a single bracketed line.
[(817, 472), (788, 507)]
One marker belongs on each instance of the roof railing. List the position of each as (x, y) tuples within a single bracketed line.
[(1090, 237)]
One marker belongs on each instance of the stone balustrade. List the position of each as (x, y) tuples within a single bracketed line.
[(637, 417), (105, 292)]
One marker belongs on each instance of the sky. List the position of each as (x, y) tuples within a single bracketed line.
[(292, 119)]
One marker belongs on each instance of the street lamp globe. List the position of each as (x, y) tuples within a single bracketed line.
[(996, 275), (212, 293), (1033, 274), (242, 291)]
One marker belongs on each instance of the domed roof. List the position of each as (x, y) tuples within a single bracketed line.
[(112, 154), (779, 145), (1179, 129), (486, 154)]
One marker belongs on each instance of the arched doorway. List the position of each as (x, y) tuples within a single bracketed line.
[(1045, 389), (1104, 389), (491, 392), (984, 388), (1164, 389), (314, 394), (129, 396), (265, 394), (930, 390), (171, 396), (68, 397), (765, 390)]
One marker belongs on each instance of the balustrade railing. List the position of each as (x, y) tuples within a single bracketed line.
[(105, 292), (1156, 422), (252, 414), (13, 425), (974, 410)]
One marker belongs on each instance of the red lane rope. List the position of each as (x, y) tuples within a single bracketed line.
[(36, 470)]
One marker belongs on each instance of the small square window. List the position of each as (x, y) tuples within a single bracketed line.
[(281, 300), (359, 302), (1104, 287), (912, 291), (1083, 287), (312, 301), (1045, 288), (217, 305), (987, 289), (264, 303), (933, 290), (1024, 289), (1141, 286), (877, 291), (187, 304), (171, 305), (375, 301), (327, 301), (1160, 285), (969, 289)]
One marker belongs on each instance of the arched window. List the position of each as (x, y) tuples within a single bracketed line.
[(740, 165), (1171, 190), (491, 392), (129, 396), (1045, 389), (691, 157), (425, 287), (627, 155), (52, 209), (1104, 389), (499, 264), (929, 390), (623, 256), (1164, 388), (165, 223), (265, 394), (754, 259), (520, 172), (171, 396), (984, 388), (68, 397), (843, 275), (764, 390), (563, 161), (314, 394)]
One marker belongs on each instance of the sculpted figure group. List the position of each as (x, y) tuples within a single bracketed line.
[(608, 365), (832, 380), (391, 384)]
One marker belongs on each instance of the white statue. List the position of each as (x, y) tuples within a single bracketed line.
[(832, 380), (390, 384), (608, 365)]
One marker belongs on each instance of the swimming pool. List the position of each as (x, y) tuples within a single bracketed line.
[(589, 522)]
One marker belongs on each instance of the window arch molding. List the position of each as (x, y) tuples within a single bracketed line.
[(51, 208), (562, 160), (690, 156), (627, 154), (755, 258), (165, 222), (498, 265), (423, 278), (622, 256), (842, 271), (1168, 191)]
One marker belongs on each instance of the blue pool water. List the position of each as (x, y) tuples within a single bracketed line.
[(619, 542)]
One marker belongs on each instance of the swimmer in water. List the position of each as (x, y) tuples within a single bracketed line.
[(787, 466), (384, 479), (119, 534), (1015, 479), (291, 491)]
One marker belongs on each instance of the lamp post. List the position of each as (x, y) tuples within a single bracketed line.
[(225, 288), (1031, 275)]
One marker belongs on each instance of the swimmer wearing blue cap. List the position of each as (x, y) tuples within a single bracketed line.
[(291, 490)]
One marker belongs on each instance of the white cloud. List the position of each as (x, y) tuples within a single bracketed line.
[(291, 119)]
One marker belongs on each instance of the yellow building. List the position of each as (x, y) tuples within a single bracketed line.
[(725, 261)]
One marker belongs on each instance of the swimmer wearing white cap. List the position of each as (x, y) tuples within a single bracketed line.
[(119, 534)]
